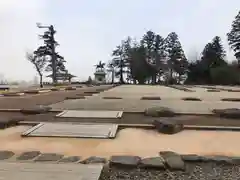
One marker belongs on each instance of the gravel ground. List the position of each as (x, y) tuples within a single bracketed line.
[(200, 171)]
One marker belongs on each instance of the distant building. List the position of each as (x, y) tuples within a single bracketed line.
[(63, 76)]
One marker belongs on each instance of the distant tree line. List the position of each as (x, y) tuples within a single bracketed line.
[(156, 59)]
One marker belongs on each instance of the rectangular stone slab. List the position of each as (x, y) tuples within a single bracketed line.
[(40, 171), (84, 130), (90, 114)]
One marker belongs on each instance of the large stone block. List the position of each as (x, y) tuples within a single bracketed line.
[(70, 88), (46, 157), (125, 161), (70, 159), (8, 122), (228, 113), (168, 126), (6, 155), (39, 109), (34, 91), (159, 112), (28, 155), (94, 160), (153, 162), (172, 160)]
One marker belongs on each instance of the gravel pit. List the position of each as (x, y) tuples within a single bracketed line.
[(194, 171)]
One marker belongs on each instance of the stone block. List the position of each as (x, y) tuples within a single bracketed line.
[(6, 122), (55, 89), (28, 155), (70, 88), (38, 109), (70, 159), (6, 155), (172, 160), (159, 112), (228, 113), (125, 161), (168, 126), (35, 91), (153, 162), (94, 160), (46, 157)]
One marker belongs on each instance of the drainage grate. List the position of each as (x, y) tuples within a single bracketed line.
[(39, 171), (90, 114), (85, 130)]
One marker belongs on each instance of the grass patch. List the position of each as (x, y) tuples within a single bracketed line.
[(191, 99), (111, 98), (151, 98), (231, 99), (91, 92), (213, 90), (233, 90), (74, 97)]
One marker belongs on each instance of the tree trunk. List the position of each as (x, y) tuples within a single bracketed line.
[(141, 81), (113, 76), (121, 71), (154, 78), (41, 81), (121, 75)]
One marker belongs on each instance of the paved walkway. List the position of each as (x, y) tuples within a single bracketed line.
[(40, 171)]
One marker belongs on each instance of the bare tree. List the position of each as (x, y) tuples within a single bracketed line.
[(39, 64)]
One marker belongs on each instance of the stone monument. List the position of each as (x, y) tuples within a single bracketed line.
[(100, 73)]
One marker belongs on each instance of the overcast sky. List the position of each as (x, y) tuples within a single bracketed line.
[(88, 30)]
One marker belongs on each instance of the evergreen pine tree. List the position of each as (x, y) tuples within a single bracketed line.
[(234, 37)]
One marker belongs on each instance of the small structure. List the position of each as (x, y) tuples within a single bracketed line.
[(100, 74), (62, 76)]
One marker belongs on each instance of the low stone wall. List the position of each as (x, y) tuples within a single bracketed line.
[(166, 160)]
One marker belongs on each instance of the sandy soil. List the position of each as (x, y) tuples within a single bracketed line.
[(129, 141)]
